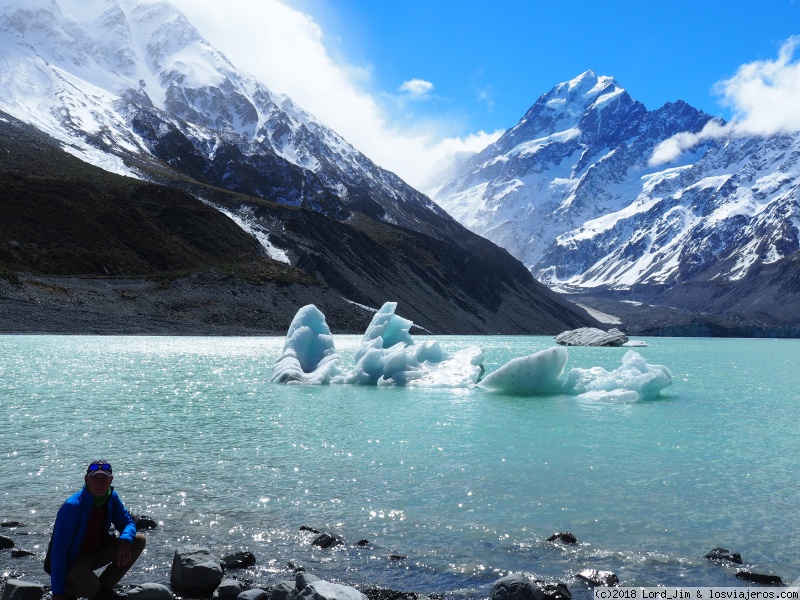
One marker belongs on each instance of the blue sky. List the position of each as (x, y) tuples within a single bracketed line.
[(410, 82), (489, 61)]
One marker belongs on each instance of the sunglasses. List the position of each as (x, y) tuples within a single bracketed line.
[(99, 467)]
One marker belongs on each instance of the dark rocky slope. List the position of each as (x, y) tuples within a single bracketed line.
[(86, 251)]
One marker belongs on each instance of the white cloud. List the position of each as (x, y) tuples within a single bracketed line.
[(285, 49), (764, 97), (416, 88)]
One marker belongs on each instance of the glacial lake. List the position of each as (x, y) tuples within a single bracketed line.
[(466, 485)]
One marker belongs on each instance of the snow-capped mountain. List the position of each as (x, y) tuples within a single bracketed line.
[(130, 86), (571, 191), (127, 80)]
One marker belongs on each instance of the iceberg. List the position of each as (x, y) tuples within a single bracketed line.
[(634, 380), (533, 375), (309, 356), (388, 355)]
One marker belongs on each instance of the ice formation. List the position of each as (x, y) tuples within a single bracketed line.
[(308, 355), (388, 355), (532, 375), (634, 380)]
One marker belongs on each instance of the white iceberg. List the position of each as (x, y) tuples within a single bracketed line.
[(633, 381), (387, 355), (536, 374), (309, 356)]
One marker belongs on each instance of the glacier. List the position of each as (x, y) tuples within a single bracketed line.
[(389, 356)]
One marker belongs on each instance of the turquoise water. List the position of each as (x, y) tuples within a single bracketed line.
[(466, 484)]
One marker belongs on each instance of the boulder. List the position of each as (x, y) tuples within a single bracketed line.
[(773, 580), (565, 537), (228, 589), (22, 590), (238, 560), (515, 587), (310, 587), (302, 579), (254, 594), (307, 528), (12, 524), (195, 568), (723, 554), (598, 578), (591, 336), (6, 542), (328, 540), (20, 553), (281, 590), (150, 591)]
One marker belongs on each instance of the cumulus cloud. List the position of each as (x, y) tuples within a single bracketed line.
[(286, 50), (416, 88), (764, 97)]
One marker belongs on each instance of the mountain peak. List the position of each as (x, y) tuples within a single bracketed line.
[(582, 90)]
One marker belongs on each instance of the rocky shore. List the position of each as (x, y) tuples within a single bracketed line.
[(200, 304), (197, 572)]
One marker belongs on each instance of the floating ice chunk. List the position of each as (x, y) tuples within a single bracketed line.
[(389, 356), (636, 344), (308, 355), (459, 369), (536, 374), (388, 327), (634, 380)]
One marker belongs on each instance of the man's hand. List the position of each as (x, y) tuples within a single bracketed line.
[(123, 553)]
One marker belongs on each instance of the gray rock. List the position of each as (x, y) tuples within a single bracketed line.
[(6, 542), (238, 560), (149, 591), (281, 590), (565, 537), (22, 590), (228, 589), (591, 336), (304, 578), (760, 578), (319, 589), (254, 594), (195, 568), (723, 554), (328, 540), (515, 587), (598, 578)]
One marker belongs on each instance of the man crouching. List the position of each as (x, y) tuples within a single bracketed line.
[(82, 541)]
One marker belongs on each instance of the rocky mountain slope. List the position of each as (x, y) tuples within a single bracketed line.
[(83, 250), (572, 191), (270, 208), (131, 83)]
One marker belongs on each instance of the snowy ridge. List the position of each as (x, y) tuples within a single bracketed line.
[(569, 191), (117, 80)]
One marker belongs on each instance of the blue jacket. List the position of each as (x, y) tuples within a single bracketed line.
[(70, 529)]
